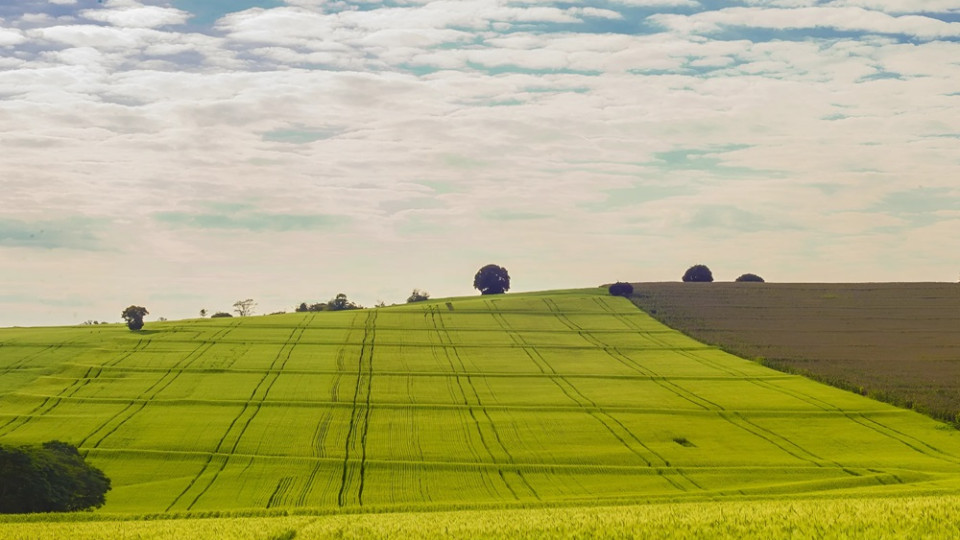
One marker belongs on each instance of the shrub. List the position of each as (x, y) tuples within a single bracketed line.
[(698, 272), (220, 314), (750, 277), (621, 288), (418, 296)]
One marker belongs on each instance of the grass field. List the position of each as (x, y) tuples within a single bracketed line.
[(893, 341), (562, 399)]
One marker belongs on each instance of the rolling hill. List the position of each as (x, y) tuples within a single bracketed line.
[(562, 398)]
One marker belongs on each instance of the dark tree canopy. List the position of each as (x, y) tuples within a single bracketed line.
[(698, 272), (750, 277), (492, 279), (621, 288), (220, 314), (340, 303), (49, 478), (418, 296), (133, 315)]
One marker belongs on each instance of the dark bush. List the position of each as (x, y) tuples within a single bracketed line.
[(418, 296), (750, 277), (698, 272), (220, 315), (621, 288)]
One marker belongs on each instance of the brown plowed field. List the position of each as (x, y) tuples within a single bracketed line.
[(898, 342)]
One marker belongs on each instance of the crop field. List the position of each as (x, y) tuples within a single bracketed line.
[(560, 401), (898, 342)]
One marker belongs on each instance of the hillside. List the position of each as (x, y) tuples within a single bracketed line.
[(557, 398), (899, 342)]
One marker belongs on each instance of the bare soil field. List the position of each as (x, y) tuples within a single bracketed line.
[(897, 342)]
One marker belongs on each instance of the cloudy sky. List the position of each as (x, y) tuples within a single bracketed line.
[(186, 154)]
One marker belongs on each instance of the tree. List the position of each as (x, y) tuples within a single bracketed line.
[(244, 307), (133, 315), (750, 277), (203, 312), (621, 288), (698, 272), (220, 314), (340, 303), (492, 279), (52, 477), (302, 308), (418, 296)]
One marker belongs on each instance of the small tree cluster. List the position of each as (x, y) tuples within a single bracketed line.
[(750, 277), (52, 477), (220, 315), (418, 296), (621, 288), (337, 303)]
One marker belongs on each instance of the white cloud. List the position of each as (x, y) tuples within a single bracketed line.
[(838, 18), (137, 16), (314, 110), (903, 6)]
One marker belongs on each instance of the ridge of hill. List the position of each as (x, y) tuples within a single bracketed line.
[(552, 398), (896, 342)]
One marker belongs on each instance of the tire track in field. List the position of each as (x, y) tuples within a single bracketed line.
[(253, 405), (453, 358), (359, 417), (161, 384), (323, 424), (20, 363), (72, 388), (755, 429), (598, 413), (913, 443)]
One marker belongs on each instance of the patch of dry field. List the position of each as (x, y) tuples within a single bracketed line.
[(899, 342)]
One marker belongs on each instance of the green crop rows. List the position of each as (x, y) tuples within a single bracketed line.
[(549, 399)]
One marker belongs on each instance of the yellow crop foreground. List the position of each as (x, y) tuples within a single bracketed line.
[(561, 401)]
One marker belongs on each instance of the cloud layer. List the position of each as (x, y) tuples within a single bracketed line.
[(288, 151)]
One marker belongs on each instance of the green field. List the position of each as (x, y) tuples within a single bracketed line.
[(560, 401)]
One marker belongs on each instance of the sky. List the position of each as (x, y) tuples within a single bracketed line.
[(183, 155)]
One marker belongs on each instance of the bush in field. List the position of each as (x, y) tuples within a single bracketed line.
[(698, 272), (52, 477), (492, 279), (621, 288), (750, 277), (220, 315), (340, 303), (418, 296), (133, 316)]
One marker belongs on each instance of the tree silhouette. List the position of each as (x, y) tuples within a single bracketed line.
[(133, 315), (492, 279), (698, 272)]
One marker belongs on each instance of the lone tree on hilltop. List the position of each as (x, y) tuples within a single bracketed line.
[(492, 279), (750, 277), (244, 307), (52, 477), (698, 272), (621, 288), (418, 296), (133, 315)]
